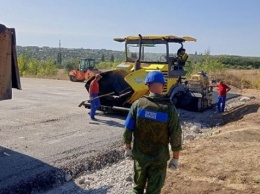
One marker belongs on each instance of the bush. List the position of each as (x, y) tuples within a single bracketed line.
[(107, 64), (208, 64), (36, 68), (70, 64)]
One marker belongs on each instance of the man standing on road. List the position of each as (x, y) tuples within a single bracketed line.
[(93, 94), (154, 123), (223, 89)]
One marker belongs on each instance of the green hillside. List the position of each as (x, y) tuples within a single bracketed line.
[(45, 53), (69, 56)]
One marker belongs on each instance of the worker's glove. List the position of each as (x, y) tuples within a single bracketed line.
[(174, 164), (128, 154)]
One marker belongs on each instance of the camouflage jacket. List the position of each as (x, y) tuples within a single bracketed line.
[(156, 124)]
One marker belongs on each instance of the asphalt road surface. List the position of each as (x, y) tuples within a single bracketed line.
[(44, 136), (43, 133)]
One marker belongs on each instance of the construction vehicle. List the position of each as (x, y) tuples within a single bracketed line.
[(120, 87), (9, 73), (86, 70), (199, 85)]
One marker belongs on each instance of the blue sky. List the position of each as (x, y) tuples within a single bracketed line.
[(229, 27)]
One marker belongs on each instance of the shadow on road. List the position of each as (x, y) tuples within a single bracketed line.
[(111, 116), (20, 173), (239, 112), (70, 189), (111, 123), (102, 190)]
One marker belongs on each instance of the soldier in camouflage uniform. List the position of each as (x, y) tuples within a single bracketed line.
[(154, 123)]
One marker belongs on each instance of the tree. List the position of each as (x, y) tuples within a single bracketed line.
[(102, 57), (112, 58), (59, 58)]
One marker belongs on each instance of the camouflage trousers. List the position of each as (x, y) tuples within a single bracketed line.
[(153, 173)]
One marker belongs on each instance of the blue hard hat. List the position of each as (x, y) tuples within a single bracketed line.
[(154, 76)]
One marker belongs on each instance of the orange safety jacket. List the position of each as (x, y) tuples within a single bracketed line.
[(94, 87)]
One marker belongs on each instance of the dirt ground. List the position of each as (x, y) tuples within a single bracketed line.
[(226, 162)]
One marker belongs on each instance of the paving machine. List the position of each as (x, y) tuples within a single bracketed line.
[(86, 70), (120, 87), (200, 87)]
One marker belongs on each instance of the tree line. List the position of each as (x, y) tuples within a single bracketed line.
[(63, 57), (45, 61)]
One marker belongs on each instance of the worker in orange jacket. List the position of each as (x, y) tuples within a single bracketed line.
[(93, 94)]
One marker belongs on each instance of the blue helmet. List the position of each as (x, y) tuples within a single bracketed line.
[(154, 76)]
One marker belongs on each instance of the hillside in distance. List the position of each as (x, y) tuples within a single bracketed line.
[(44, 53)]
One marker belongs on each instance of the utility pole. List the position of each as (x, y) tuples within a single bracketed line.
[(59, 57)]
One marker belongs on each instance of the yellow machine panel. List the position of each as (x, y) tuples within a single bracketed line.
[(136, 80)]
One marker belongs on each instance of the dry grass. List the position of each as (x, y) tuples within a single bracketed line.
[(243, 79), (62, 75)]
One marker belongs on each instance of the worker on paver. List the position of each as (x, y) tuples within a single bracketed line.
[(154, 123), (182, 58)]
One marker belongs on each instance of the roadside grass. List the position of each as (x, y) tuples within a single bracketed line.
[(243, 79), (62, 75)]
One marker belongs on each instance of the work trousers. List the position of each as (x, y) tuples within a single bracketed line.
[(221, 103), (95, 104), (153, 173)]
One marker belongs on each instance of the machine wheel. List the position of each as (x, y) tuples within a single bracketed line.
[(183, 98), (73, 78)]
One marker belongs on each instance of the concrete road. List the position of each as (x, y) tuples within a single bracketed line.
[(43, 130)]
